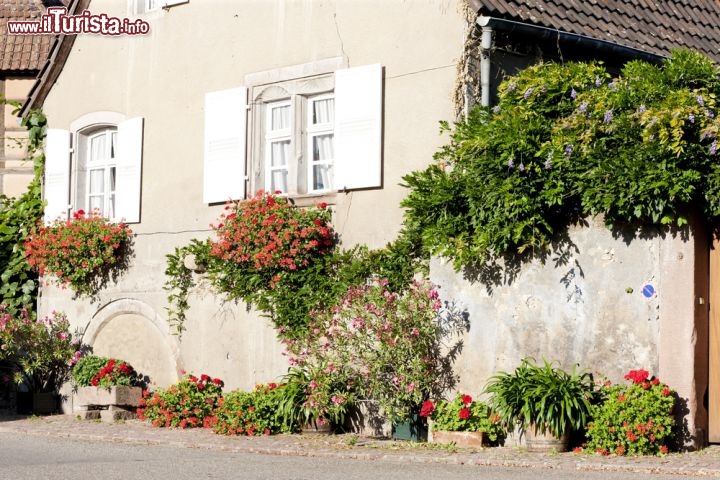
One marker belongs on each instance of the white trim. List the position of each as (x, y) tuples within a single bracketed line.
[(294, 72), (96, 118)]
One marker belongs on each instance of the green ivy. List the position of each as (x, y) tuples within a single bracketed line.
[(18, 218), (568, 141)]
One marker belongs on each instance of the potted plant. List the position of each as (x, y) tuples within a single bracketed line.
[(39, 352), (545, 401), (106, 384), (314, 399), (462, 421)]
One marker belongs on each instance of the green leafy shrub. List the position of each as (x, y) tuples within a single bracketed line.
[(189, 403), (86, 368), (252, 413), (568, 141), (463, 414), (635, 419), (39, 350), (547, 397)]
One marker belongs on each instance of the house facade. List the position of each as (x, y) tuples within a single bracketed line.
[(214, 103), (334, 102)]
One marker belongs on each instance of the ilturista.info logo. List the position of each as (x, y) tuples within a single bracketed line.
[(56, 21)]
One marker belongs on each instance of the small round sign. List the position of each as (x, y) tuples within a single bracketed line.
[(648, 291)]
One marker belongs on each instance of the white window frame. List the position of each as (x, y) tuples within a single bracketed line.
[(108, 164), (312, 131), (278, 136)]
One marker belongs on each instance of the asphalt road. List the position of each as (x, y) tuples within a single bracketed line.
[(35, 458)]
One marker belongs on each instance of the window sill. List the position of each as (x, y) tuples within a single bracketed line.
[(312, 199)]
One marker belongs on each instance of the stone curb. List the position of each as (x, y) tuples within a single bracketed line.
[(699, 465)]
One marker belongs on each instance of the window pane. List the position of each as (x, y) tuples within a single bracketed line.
[(280, 117), (97, 181), (111, 206), (321, 177), (279, 153), (96, 203), (113, 144), (111, 187), (97, 148), (324, 111), (278, 180), (323, 147)]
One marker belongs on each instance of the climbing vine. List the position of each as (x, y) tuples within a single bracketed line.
[(18, 218), (566, 141)]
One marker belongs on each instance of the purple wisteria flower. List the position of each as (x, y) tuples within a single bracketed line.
[(511, 87), (568, 150), (598, 82), (709, 114), (573, 94), (642, 108), (521, 167), (700, 100), (548, 164), (496, 109), (608, 116), (706, 135), (713, 147), (528, 92), (511, 163), (691, 118), (651, 138), (583, 107)]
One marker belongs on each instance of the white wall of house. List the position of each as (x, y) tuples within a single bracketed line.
[(205, 46)]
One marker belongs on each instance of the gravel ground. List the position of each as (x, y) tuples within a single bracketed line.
[(703, 463)]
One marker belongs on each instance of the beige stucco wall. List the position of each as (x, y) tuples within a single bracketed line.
[(585, 306), (16, 171), (208, 45)]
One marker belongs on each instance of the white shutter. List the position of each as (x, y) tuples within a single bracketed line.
[(225, 125), (358, 127), (57, 174), (129, 170)]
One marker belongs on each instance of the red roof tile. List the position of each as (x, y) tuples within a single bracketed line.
[(22, 52), (655, 26)]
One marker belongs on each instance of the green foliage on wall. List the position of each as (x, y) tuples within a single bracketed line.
[(18, 217), (568, 141)]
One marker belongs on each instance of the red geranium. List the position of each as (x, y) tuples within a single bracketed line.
[(428, 407), (464, 414), (466, 400), (637, 376)]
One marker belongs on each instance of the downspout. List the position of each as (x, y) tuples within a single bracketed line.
[(485, 46)]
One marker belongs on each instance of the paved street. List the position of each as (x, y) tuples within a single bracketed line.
[(62, 447)]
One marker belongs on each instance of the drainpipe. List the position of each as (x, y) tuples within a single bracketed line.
[(545, 33), (485, 45)]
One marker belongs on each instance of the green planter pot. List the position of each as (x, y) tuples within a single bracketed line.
[(414, 429)]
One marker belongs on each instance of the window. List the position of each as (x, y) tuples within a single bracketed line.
[(301, 130), (101, 173), (146, 6), (151, 5), (96, 165)]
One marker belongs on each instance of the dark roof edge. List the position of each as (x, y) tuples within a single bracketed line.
[(50, 71), (551, 33)]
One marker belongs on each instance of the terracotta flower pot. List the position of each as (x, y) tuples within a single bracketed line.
[(461, 439)]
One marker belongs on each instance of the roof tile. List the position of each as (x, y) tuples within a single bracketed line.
[(22, 52), (654, 26)]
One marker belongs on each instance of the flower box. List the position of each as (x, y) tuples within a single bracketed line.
[(121, 395), (460, 439)]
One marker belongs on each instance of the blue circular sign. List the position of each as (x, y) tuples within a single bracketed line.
[(648, 290)]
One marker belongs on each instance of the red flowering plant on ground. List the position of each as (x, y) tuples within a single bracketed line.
[(189, 403), (633, 420), (463, 414), (96, 371), (83, 252), (252, 413)]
